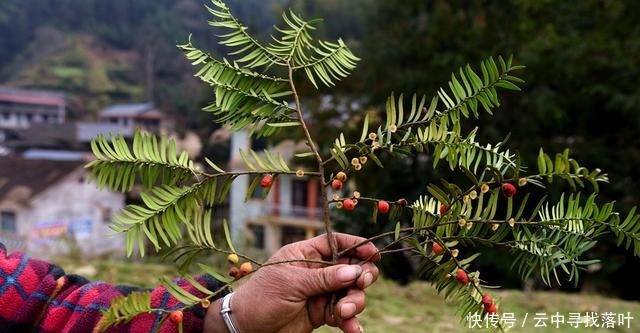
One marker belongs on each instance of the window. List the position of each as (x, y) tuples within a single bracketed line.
[(292, 234), (105, 214), (258, 235), (8, 222), (299, 193)]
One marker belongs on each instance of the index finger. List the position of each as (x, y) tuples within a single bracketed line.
[(359, 246)]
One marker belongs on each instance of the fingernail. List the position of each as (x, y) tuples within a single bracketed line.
[(368, 279), (349, 273), (347, 310), (361, 329)]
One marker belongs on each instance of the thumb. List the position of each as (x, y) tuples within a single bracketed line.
[(329, 279)]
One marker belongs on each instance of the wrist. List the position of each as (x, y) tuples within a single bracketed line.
[(215, 322), (226, 313)]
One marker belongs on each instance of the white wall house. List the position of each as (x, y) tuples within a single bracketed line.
[(48, 207), (19, 108), (139, 115), (290, 213)]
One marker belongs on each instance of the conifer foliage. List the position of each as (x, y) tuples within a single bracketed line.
[(490, 209)]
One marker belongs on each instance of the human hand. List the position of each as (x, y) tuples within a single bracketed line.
[(296, 297)]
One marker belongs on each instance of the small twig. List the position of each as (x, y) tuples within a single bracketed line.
[(325, 203)]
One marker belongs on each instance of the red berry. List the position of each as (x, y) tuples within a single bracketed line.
[(235, 273), (486, 299), (176, 317), (402, 202), (383, 206), (349, 204), (437, 249), (490, 308), (443, 209), (266, 181), (336, 184), (462, 276), (508, 190)]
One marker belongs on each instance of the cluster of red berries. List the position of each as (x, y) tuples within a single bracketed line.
[(236, 272), (488, 304)]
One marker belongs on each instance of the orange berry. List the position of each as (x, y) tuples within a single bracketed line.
[(246, 268), (176, 317)]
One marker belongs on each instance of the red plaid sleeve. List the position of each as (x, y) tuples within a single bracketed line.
[(38, 296)]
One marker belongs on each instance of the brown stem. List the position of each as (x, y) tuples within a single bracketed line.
[(325, 203)]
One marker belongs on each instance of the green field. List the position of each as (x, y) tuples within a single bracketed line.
[(417, 307)]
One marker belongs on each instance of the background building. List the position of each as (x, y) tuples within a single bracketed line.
[(141, 115), (20, 108), (48, 208), (291, 212)]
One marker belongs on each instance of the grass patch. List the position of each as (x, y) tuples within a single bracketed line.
[(411, 309)]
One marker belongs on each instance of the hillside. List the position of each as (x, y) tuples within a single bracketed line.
[(92, 73), (107, 52)]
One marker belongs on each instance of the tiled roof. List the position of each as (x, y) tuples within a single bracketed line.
[(35, 175), (131, 110), (35, 97)]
